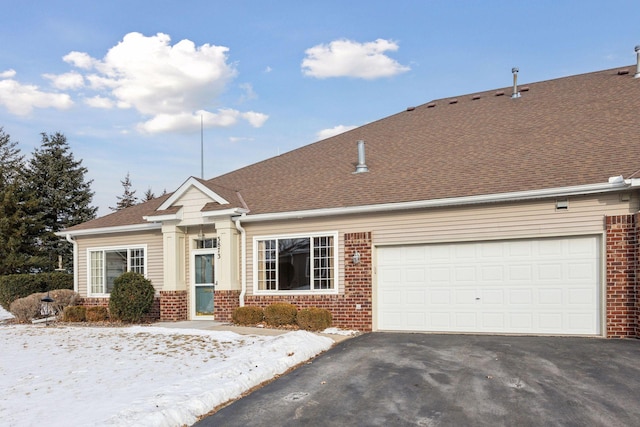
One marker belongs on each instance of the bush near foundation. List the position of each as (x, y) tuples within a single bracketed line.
[(16, 286), (280, 314), (314, 319), (75, 313), (131, 297), (63, 298), (247, 315), (97, 314), (27, 308)]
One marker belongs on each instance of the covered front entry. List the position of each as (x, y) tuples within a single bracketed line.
[(528, 286), (203, 282)]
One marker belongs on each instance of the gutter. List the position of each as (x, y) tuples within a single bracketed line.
[(108, 230), (614, 184), (243, 258), (75, 261)]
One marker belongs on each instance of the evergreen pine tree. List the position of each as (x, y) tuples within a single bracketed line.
[(20, 225), (64, 195), (148, 195), (128, 197)]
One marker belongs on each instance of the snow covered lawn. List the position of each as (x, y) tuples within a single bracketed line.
[(135, 376)]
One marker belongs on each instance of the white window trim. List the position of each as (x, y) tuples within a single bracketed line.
[(112, 248), (336, 266)]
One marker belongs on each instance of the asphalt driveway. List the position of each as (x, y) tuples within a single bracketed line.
[(395, 379)]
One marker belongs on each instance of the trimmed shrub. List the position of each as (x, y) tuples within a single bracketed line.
[(247, 315), (27, 308), (314, 319), (97, 314), (131, 297), (75, 313), (63, 298), (16, 286), (280, 313)]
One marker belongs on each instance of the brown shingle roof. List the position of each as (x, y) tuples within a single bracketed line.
[(570, 131), (563, 132)]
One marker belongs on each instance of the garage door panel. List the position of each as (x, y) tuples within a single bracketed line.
[(520, 286)]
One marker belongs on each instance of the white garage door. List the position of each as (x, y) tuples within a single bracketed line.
[(536, 286)]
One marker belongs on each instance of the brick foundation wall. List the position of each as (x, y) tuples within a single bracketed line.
[(622, 264), (173, 306), (351, 310), (224, 302)]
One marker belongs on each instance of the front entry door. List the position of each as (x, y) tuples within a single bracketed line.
[(203, 280)]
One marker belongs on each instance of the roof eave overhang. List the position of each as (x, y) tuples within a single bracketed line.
[(166, 217), (611, 186), (225, 212), (110, 230)]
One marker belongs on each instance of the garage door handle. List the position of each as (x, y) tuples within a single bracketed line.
[(477, 299)]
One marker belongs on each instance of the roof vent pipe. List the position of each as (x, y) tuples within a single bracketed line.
[(515, 93), (637, 74), (361, 166)]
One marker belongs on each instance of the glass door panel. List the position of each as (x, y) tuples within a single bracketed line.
[(204, 280)]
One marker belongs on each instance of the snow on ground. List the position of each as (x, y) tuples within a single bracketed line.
[(4, 314), (135, 376)]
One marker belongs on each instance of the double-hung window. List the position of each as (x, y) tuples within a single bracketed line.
[(296, 263), (106, 264)]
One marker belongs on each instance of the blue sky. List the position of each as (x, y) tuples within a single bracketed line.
[(128, 81)]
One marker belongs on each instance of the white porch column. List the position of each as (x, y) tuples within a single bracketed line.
[(173, 239), (227, 274)]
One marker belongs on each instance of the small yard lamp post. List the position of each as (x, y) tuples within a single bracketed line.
[(47, 300)]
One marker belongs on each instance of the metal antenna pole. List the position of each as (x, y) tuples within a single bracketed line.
[(201, 147)]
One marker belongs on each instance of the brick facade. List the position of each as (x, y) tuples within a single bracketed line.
[(173, 306), (224, 302), (351, 310), (622, 264)]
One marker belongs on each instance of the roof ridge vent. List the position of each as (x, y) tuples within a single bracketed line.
[(515, 93), (637, 74), (361, 166)]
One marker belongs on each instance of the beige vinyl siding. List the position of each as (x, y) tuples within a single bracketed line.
[(153, 240), (469, 223), (192, 202)]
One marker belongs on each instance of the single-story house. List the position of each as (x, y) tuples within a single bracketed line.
[(506, 211)]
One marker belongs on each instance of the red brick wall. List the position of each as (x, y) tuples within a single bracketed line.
[(622, 265), (173, 305), (357, 289), (224, 302)]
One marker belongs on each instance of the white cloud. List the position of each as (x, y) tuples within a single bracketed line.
[(99, 102), (336, 130), (249, 93), (346, 58), (21, 99), (255, 119), (236, 139), (66, 81), (80, 60), (225, 117), (167, 83), (8, 74)]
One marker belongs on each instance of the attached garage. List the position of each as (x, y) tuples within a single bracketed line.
[(528, 286)]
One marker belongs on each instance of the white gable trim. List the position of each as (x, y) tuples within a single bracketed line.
[(191, 182)]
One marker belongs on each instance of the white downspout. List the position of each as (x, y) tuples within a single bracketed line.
[(75, 261), (243, 259)]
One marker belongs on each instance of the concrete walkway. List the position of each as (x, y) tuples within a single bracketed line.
[(212, 325)]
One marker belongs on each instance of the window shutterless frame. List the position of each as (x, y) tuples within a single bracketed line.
[(296, 264), (106, 263)]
